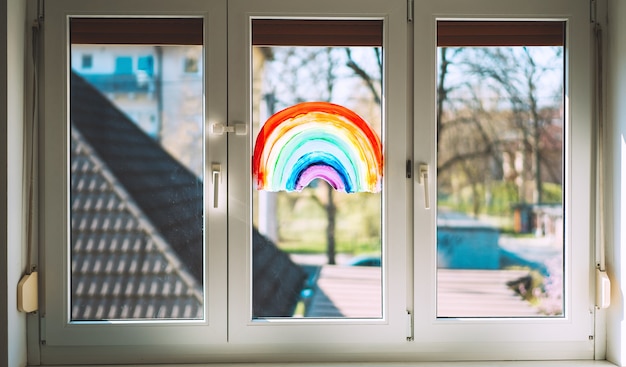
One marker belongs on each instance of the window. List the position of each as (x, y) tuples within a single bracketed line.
[(318, 218), (318, 156), (87, 61), (136, 192), (294, 200), (191, 65), (454, 326), (500, 149), (155, 267), (146, 64), (123, 65)]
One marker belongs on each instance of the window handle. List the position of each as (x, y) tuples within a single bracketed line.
[(219, 128), (216, 171), (423, 180)]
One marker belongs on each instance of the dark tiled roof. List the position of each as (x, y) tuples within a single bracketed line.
[(169, 194), (276, 282), (137, 220), (121, 266)]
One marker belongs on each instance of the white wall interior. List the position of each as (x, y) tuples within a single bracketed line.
[(12, 86), (616, 167), (3, 203)]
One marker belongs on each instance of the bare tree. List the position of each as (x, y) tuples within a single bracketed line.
[(320, 69), (493, 112), (370, 81), (519, 76)]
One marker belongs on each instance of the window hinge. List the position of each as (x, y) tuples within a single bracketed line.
[(409, 326), (41, 11), (409, 168), (409, 10), (37, 23), (42, 330), (592, 11)]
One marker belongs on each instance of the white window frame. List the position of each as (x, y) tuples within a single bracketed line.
[(569, 337), (57, 330), (392, 327), (228, 334)]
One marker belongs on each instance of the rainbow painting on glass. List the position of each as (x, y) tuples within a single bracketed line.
[(317, 140)]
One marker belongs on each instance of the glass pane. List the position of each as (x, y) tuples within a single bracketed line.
[(136, 182), (500, 144), (317, 190)]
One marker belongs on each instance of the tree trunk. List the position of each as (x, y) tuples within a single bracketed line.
[(331, 211)]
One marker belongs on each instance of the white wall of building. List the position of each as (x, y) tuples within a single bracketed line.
[(182, 116), (171, 109), (103, 57)]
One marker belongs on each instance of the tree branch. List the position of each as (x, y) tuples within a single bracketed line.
[(363, 75)]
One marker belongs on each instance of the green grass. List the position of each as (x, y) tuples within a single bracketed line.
[(303, 222), (304, 247)]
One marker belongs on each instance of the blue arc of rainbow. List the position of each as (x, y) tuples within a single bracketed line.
[(317, 140)]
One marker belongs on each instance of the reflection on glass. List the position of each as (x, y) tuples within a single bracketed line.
[(317, 173), (136, 183), (500, 181)]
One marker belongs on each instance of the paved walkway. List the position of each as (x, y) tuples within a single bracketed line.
[(347, 291), (480, 293), (353, 291)]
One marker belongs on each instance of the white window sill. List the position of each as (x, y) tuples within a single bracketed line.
[(397, 364)]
